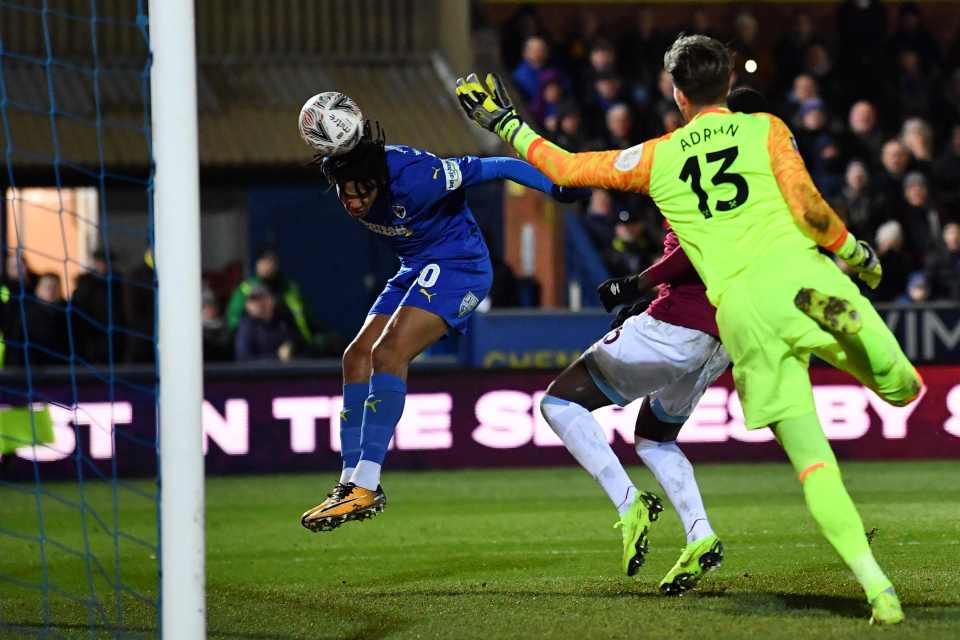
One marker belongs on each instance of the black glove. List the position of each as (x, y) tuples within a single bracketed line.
[(569, 194), (629, 312), (617, 291)]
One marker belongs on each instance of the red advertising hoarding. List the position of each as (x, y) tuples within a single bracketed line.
[(457, 419)]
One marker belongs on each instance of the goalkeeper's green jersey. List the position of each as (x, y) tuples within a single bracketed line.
[(727, 183)]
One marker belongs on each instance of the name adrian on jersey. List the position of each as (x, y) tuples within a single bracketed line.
[(694, 138)]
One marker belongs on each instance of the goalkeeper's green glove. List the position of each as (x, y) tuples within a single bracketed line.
[(862, 259), (490, 107)]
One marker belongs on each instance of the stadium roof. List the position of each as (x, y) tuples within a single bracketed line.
[(247, 110)]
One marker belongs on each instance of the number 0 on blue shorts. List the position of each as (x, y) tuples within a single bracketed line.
[(451, 289)]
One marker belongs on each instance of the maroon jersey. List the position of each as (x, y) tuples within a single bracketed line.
[(682, 298)]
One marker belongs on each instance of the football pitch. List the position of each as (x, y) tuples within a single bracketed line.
[(501, 554)]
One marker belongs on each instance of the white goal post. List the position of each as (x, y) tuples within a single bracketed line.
[(173, 107)]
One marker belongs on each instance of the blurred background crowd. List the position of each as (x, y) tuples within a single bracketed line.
[(874, 104), (871, 90)]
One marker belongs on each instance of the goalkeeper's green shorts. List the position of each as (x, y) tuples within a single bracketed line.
[(770, 340)]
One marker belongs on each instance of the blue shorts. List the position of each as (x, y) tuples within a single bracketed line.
[(451, 289)]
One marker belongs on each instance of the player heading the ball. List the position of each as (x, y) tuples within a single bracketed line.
[(414, 202)]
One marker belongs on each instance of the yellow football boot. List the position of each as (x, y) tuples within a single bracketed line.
[(346, 502)]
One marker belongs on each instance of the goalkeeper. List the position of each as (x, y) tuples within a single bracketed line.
[(739, 198)]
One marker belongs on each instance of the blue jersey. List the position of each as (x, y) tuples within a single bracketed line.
[(425, 215)]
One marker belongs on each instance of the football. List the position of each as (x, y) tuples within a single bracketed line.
[(331, 123)]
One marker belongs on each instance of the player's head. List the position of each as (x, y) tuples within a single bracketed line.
[(701, 68), (361, 174), (747, 100)]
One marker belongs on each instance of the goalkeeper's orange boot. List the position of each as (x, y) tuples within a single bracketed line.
[(346, 502), (835, 315)]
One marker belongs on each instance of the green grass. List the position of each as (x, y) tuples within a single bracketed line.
[(510, 554)]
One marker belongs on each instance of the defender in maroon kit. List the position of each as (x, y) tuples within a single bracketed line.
[(668, 356)]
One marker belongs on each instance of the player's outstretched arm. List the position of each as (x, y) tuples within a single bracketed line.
[(813, 215), (529, 176), (490, 107)]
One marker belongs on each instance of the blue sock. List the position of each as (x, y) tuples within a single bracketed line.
[(381, 413), (351, 418)]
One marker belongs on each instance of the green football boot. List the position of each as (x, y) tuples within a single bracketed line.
[(886, 608), (835, 315), (697, 558), (634, 525)]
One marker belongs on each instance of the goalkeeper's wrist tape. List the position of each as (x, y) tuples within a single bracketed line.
[(850, 249)]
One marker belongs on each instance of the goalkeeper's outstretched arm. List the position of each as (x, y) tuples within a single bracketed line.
[(813, 215), (490, 107)]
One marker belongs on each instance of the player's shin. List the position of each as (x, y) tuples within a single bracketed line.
[(674, 472), (586, 441), (351, 419), (381, 412), (827, 498)]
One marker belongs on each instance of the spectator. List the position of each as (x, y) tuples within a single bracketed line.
[(919, 218), (918, 290), (917, 136), (599, 220), (861, 33), (671, 121), (943, 265), (549, 97), (527, 75), (633, 246), (568, 133), (17, 278), (895, 161), (856, 203), (262, 334), (912, 36), (745, 46), (948, 104), (138, 312), (608, 91), (620, 130), (915, 86), (946, 170), (216, 337), (46, 327), (286, 294), (804, 90), (864, 139), (640, 44), (818, 63), (664, 101), (790, 48), (897, 265), (820, 149), (98, 311)]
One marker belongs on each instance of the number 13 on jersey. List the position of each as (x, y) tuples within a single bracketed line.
[(691, 172)]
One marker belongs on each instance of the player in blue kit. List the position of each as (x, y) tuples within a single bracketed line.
[(415, 202)]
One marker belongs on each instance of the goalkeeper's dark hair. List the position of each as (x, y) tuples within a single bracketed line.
[(365, 164), (701, 68)]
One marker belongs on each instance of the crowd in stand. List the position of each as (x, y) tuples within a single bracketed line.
[(110, 318), (883, 148)]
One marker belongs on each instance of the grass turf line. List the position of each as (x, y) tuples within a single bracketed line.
[(500, 554)]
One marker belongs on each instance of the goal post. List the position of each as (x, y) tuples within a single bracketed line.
[(173, 107)]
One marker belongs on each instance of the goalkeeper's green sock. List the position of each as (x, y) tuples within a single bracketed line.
[(803, 440)]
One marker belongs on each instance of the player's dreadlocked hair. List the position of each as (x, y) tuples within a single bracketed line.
[(365, 164), (701, 68)]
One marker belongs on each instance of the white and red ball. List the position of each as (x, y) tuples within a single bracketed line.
[(331, 123)]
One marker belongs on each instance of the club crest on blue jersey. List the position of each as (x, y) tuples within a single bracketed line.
[(399, 211), (468, 304)]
